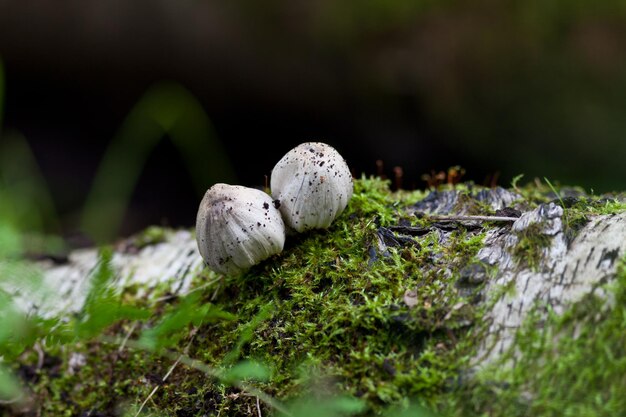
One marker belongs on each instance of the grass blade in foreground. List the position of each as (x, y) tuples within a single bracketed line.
[(166, 109)]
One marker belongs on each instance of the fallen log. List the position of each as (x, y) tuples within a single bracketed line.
[(457, 272)]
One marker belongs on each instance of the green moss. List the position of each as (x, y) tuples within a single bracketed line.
[(106, 378), (578, 212), (328, 316), (151, 236), (335, 310), (327, 306), (531, 245)]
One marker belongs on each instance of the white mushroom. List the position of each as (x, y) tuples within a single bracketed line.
[(313, 185), (237, 227)]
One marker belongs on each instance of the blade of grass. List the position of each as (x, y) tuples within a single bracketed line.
[(165, 109), (554, 190), (28, 202), (515, 180), (331, 406), (558, 195), (190, 310)]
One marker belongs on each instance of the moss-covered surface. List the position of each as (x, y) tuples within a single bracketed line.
[(530, 246), (357, 310), (568, 365)]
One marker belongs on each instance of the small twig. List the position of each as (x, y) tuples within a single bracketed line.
[(397, 176), (204, 368), (217, 289), (143, 404), (128, 334), (473, 218), (40, 355), (155, 389), (258, 402), (258, 406), (12, 401), (169, 372)]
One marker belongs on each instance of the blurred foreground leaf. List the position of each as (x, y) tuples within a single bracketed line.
[(14, 329), (326, 407), (166, 110), (10, 387), (191, 310), (412, 410), (26, 200), (103, 305), (10, 240), (245, 370)]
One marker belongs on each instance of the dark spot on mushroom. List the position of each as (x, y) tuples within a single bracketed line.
[(266, 206), (276, 203)]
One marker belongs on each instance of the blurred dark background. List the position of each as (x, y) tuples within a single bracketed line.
[(500, 88)]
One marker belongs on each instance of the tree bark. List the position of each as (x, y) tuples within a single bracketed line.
[(567, 271)]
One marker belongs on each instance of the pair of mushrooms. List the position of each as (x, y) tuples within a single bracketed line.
[(238, 227)]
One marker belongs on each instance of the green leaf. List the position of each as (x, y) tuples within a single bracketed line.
[(190, 310), (10, 387), (245, 370), (327, 407), (414, 410), (10, 241), (103, 305), (13, 328)]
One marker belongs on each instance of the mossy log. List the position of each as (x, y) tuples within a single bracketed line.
[(500, 261), (539, 258)]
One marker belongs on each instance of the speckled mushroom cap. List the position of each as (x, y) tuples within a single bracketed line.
[(313, 184), (237, 227)]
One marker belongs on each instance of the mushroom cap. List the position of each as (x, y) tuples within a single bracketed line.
[(313, 184), (237, 227)]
